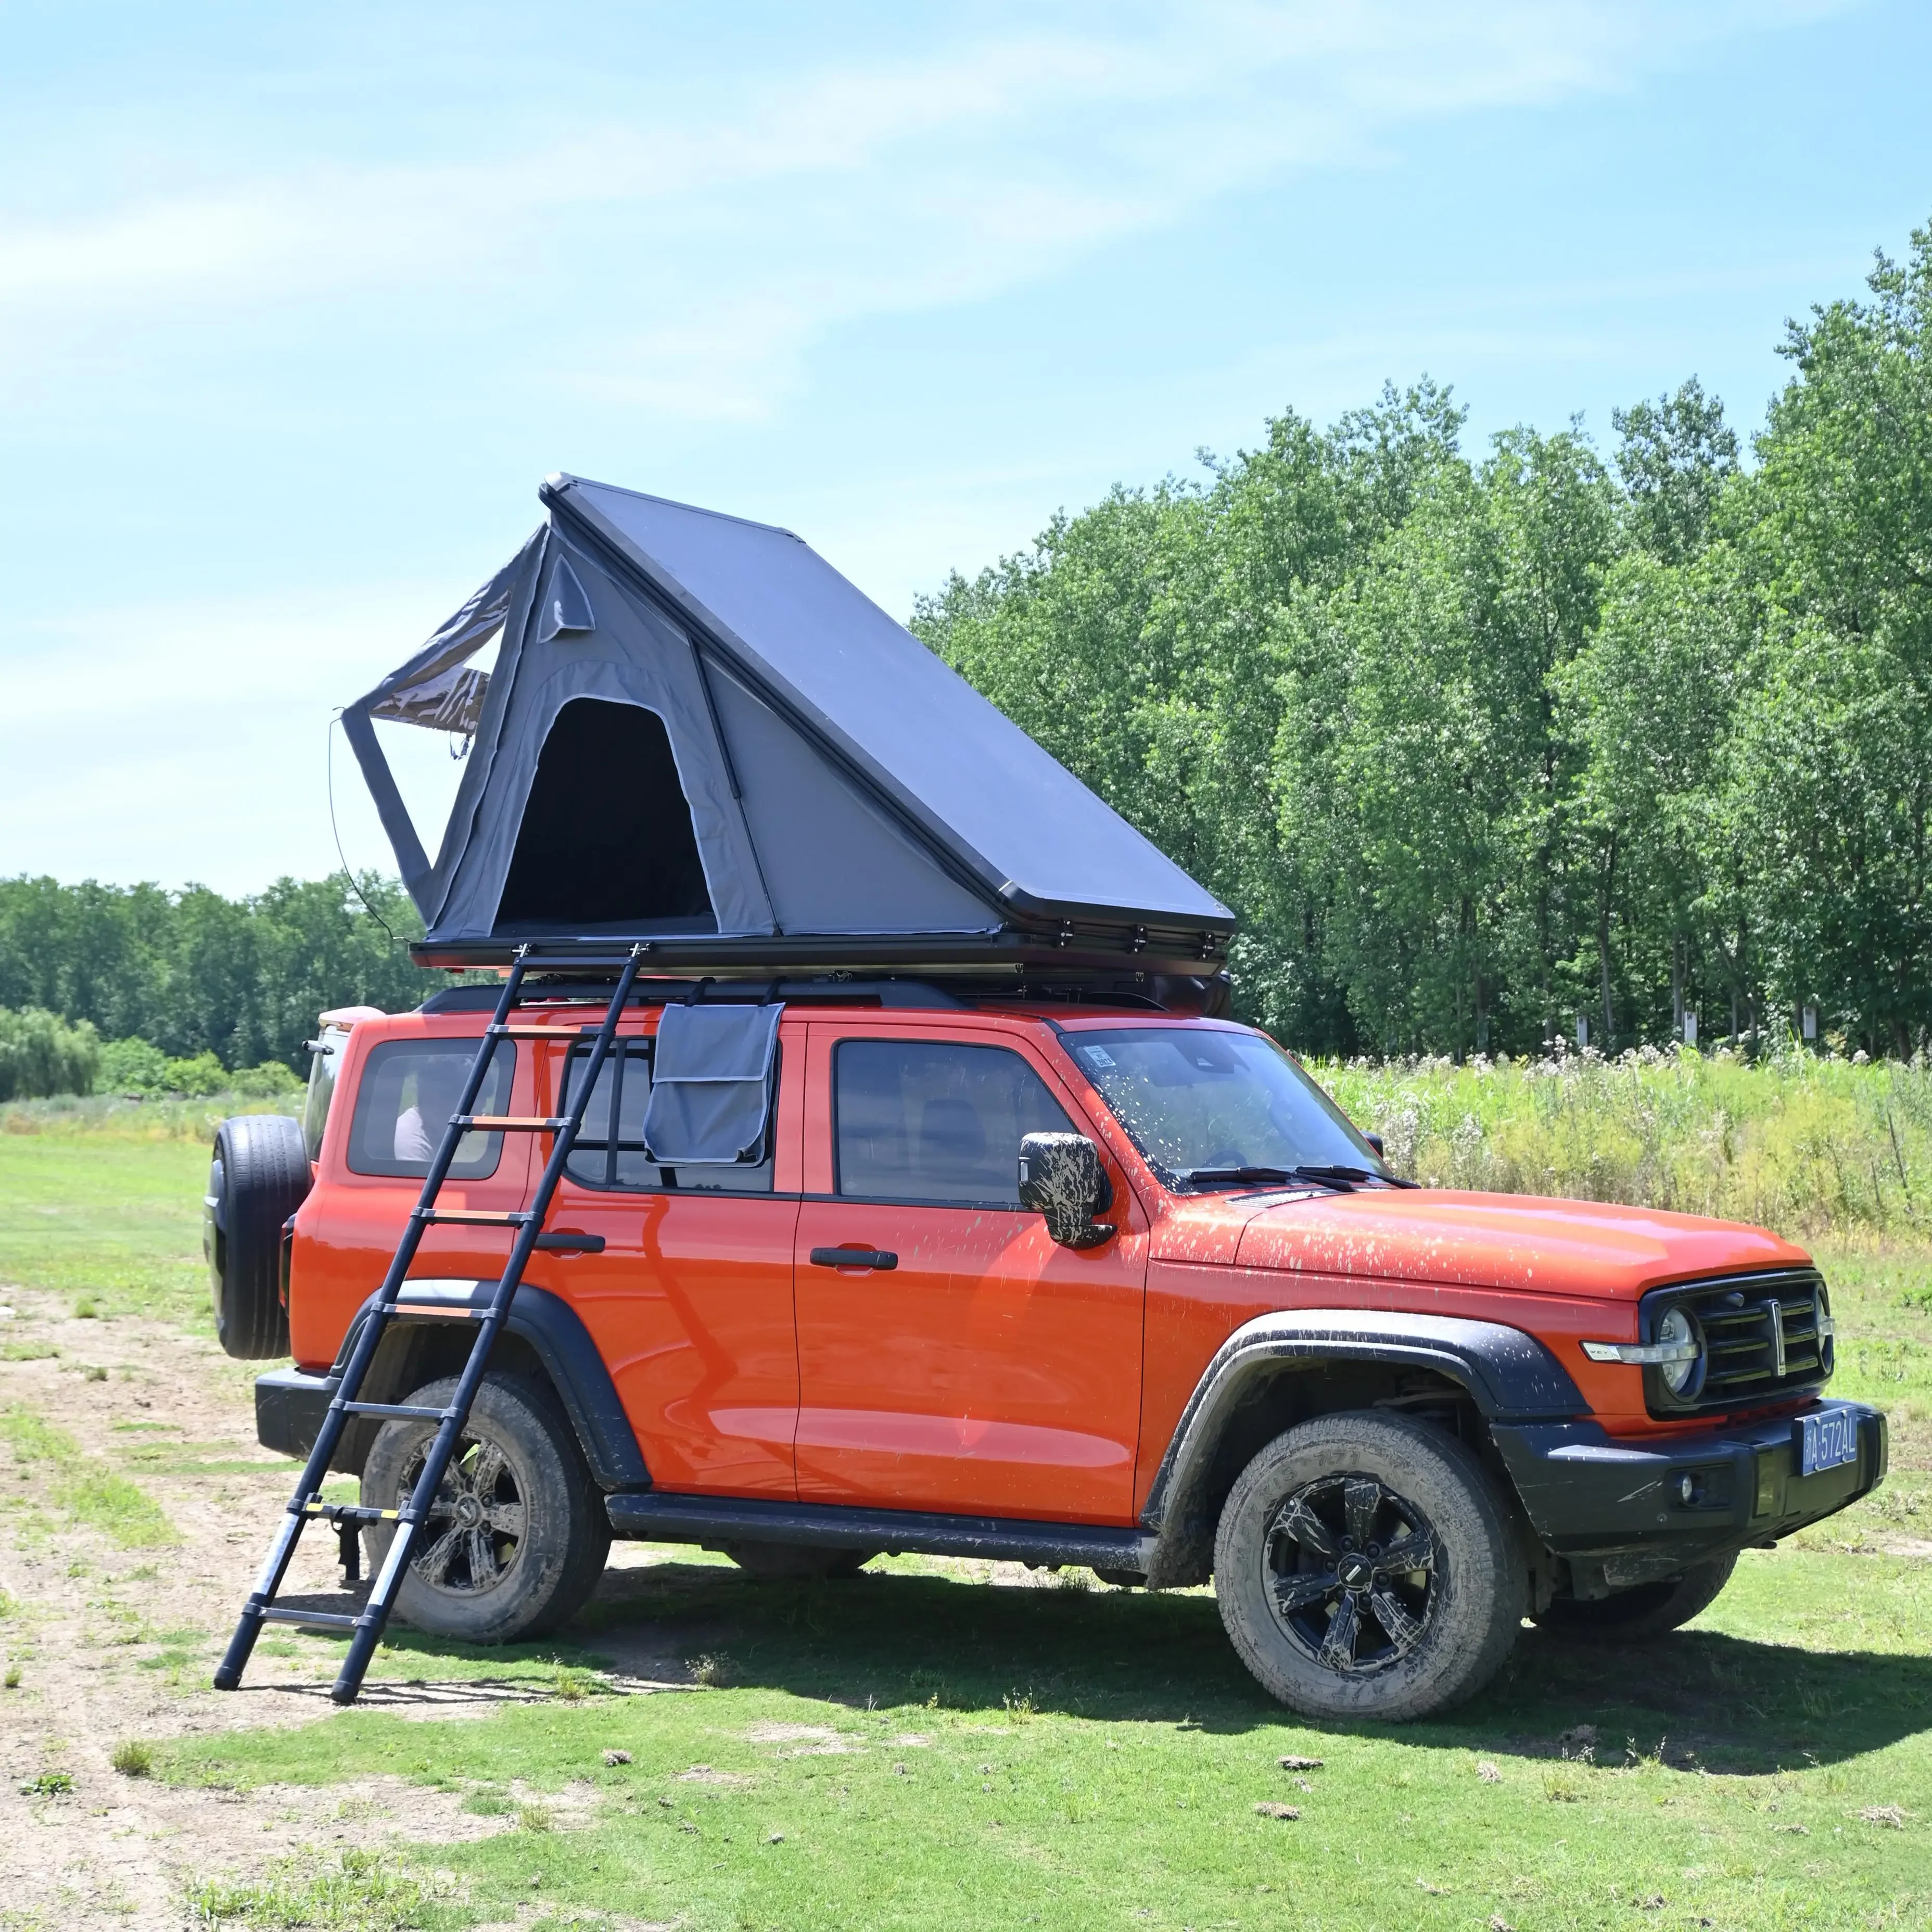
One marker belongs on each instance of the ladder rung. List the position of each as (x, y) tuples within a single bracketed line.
[(449, 1311), (400, 1409), (541, 1032), (475, 1216), (351, 1513), (327, 1619), (511, 1124)]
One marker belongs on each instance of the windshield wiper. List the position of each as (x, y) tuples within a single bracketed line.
[(1355, 1174), (1333, 1175), (1337, 1178)]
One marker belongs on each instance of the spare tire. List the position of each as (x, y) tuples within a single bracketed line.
[(259, 1178)]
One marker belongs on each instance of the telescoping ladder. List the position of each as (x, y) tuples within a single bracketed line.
[(307, 1505)]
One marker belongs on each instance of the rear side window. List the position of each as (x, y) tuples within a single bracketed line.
[(324, 1061), (921, 1121), (610, 1151), (408, 1091)]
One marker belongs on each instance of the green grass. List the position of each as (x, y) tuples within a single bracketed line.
[(909, 1750), (359, 1894), (92, 1493), (115, 1220), (1127, 1748)]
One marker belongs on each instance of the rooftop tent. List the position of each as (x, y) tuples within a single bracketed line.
[(697, 734)]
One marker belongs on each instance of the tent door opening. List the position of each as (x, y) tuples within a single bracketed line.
[(606, 841)]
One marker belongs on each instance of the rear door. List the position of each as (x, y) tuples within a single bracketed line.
[(690, 1303), (986, 1369)]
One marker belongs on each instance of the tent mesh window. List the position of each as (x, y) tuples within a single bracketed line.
[(606, 839)]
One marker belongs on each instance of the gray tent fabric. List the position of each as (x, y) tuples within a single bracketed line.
[(776, 772), (565, 606), (1031, 827), (711, 1071)]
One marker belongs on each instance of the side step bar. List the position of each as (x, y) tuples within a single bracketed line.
[(654, 1517)]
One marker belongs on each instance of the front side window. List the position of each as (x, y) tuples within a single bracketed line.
[(1203, 1105), (408, 1089), (609, 1151), (921, 1120)]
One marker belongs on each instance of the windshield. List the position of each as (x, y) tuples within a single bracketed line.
[(1209, 1108)]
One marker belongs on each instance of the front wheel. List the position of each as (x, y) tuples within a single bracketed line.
[(517, 1536), (1367, 1568), (1644, 1611)]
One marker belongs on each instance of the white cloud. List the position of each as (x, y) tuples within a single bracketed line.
[(728, 240)]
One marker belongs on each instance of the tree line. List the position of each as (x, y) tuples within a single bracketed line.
[(1479, 746), (193, 973)]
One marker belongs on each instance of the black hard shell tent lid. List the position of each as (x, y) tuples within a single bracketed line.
[(698, 734)]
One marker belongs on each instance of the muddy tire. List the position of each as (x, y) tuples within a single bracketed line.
[(517, 1536), (796, 1562), (1366, 1567), (259, 1175), (1641, 1615)]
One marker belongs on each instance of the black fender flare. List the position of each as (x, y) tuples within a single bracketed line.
[(556, 1335), (1508, 1374)]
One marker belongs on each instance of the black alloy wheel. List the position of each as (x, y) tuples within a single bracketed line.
[(1351, 1572), (1368, 1568), (516, 1536), (475, 1527)]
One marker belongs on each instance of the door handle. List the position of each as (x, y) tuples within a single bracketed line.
[(569, 1240), (854, 1258)]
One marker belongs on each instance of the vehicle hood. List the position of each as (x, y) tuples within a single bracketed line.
[(1582, 1248)]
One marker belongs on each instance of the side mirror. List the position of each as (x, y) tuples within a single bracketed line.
[(1061, 1177), (1376, 1141)]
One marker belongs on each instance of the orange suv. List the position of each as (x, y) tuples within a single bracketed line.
[(1054, 1283)]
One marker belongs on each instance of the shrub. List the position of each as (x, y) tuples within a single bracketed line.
[(134, 1758), (132, 1066), (268, 1081), (197, 1077), (41, 1055)]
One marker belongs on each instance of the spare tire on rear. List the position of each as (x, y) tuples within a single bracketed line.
[(259, 1178)]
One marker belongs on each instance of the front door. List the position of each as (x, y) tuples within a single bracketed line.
[(987, 1370), (690, 1303)]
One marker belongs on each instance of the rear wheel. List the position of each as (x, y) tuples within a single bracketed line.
[(516, 1537), (258, 1177), (1366, 1567), (780, 1562), (1648, 1611)]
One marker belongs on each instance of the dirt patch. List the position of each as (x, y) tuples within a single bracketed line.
[(114, 1644)]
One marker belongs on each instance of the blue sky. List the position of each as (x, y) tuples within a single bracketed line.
[(297, 307)]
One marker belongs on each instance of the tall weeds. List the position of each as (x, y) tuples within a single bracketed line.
[(1797, 1143)]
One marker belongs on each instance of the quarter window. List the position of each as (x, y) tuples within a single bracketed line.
[(408, 1091), (919, 1120)]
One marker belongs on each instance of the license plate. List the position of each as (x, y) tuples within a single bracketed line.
[(1827, 1440)]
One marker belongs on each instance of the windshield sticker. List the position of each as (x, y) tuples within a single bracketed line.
[(1096, 1056)]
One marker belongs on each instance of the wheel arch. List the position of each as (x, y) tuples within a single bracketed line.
[(1282, 1369), (543, 1340)]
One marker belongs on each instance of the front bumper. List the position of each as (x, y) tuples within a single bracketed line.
[(1619, 1514)]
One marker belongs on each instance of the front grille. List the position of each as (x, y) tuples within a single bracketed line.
[(1767, 1338)]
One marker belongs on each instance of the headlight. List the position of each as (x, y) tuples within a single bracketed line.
[(1677, 1354), (1678, 1363)]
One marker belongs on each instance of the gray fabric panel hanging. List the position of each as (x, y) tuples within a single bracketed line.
[(711, 1072)]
